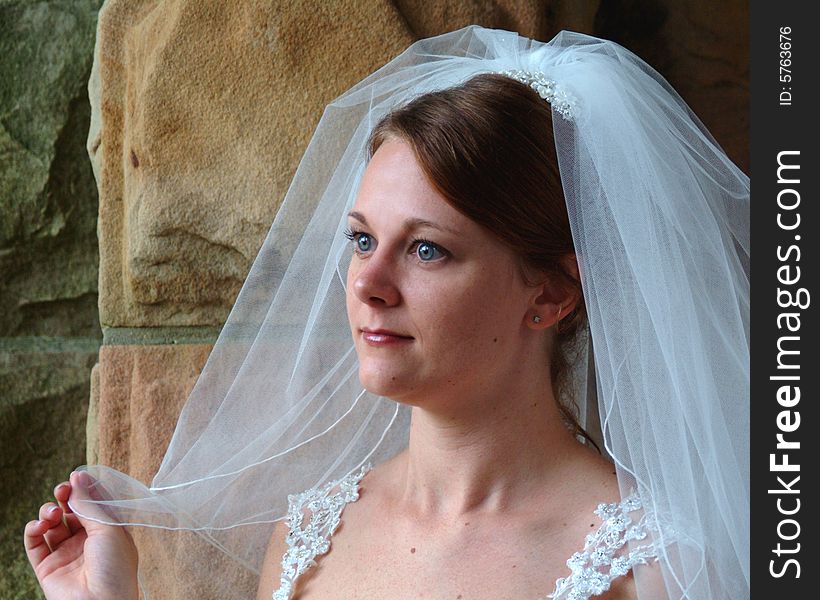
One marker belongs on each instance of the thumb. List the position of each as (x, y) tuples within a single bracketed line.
[(87, 500)]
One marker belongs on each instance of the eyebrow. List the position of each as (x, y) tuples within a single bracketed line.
[(409, 223)]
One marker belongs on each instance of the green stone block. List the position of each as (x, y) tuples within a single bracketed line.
[(49, 324), (43, 407), (48, 197)]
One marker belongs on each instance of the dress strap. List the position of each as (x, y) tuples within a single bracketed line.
[(323, 511), (605, 556)]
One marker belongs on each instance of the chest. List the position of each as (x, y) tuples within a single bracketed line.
[(378, 551), (370, 558)]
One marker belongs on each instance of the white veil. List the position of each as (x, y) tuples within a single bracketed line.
[(660, 222)]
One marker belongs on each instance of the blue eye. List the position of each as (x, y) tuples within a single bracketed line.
[(363, 242), (427, 251)]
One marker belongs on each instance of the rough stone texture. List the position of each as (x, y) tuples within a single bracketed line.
[(92, 425), (48, 200), (42, 428), (702, 48), (204, 111), (538, 19), (141, 391), (180, 549), (49, 328), (198, 131), (532, 18)]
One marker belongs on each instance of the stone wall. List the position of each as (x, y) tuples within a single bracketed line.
[(200, 111), (49, 324)]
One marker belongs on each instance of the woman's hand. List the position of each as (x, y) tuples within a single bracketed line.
[(74, 557)]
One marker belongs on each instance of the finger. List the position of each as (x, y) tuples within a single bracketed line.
[(34, 541), (72, 521), (51, 513), (86, 493), (57, 532), (56, 536), (62, 491)]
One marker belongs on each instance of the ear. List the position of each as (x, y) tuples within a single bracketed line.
[(553, 299)]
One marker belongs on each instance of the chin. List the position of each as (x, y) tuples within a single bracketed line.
[(391, 385)]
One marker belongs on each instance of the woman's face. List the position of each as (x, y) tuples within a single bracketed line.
[(435, 302)]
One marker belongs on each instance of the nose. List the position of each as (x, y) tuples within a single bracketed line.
[(373, 280)]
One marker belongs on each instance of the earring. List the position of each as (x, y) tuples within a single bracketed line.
[(537, 319)]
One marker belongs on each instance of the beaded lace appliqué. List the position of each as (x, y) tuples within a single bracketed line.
[(604, 557), (306, 543)]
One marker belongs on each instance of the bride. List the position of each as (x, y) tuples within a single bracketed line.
[(519, 255)]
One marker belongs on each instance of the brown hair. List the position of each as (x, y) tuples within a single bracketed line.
[(487, 146)]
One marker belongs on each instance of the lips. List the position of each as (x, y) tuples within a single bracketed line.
[(385, 332), (384, 337)]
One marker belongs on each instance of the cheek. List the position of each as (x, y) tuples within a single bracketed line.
[(350, 294), (350, 275), (473, 323)]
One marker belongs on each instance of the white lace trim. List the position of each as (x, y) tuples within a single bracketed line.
[(305, 544), (604, 557)]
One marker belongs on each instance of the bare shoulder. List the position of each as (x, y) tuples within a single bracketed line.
[(272, 565), (600, 484), (648, 576), (590, 481), (626, 587)]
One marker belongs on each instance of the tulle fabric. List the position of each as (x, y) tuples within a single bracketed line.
[(660, 222)]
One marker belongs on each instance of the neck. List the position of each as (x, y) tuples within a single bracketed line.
[(489, 453)]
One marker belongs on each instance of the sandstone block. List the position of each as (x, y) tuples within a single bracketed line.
[(201, 112), (141, 392), (92, 425)]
